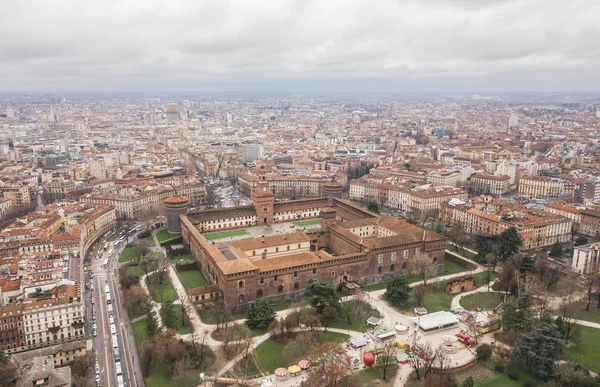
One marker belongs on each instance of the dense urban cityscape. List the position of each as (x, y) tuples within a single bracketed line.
[(285, 240)]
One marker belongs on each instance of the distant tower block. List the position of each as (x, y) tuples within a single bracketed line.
[(332, 189), (175, 206)]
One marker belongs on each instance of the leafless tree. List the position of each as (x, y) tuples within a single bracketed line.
[(420, 292), (422, 266), (387, 357), (162, 268)]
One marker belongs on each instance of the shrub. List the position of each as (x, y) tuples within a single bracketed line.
[(529, 383), (484, 352), (513, 374), (499, 367)]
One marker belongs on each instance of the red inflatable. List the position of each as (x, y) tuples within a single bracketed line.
[(369, 359)]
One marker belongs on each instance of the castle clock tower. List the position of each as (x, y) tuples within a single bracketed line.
[(263, 200)]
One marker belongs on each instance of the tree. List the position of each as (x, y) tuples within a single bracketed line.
[(581, 241), (137, 301), (373, 207), (508, 277), (211, 199), (80, 368), (397, 291), (331, 364), (151, 323), (568, 321), (557, 250), (570, 374), (139, 250), (329, 315), (322, 294), (439, 226), (162, 268), (126, 277), (485, 244), (147, 264), (518, 315), (458, 235), (420, 294), (386, 357), (169, 318), (592, 281), (260, 314), (422, 266), (222, 314), (510, 242), (539, 350), (468, 382)]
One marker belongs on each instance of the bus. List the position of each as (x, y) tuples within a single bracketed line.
[(105, 246), (110, 252), (117, 243), (110, 308), (113, 329), (108, 301), (118, 368), (106, 289), (115, 342)]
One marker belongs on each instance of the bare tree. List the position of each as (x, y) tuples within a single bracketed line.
[(569, 317), (420, 292), (591, 283), (422, 266), (387, 357), (162, 268), (221, 313), (211, 199)]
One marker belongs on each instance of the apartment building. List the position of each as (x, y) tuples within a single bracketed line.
[(420, 201), (536, 228), (540, 187), (563, 209), (487, 184), (445, 177), (590, 223), (284, 186), (585, 258), (19, 195), (58, 189)]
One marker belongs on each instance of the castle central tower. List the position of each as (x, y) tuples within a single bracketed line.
[(263, 200)]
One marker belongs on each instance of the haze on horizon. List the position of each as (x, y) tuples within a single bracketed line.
[(304, 46)]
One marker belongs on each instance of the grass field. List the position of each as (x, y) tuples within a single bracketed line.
[(592, 315), (225, 234), (585, 352), (208, 317), (186, 258), (193, 279), (481, 278), (125, 255), (268, 354), (449, 268), (163, 236), (308, 222), (139, 332), (485, 301), (163, 292), (372, 376), (360, 312)]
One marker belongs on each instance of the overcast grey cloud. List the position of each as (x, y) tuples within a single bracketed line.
[(345, 45)]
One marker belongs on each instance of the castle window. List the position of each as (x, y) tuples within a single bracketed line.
[(417, 251), (241, 298), (314, 271), (280, 289), (288, 247), (333, 273), (392, 267), (404, 265), (298, 245), (379, 270), (275, 277), (405, 254), (253, 252), (259, 293), (380, 258), (393, 256), (295, 274), (296, 285), (262, 280), (276, 249), (241, 284)]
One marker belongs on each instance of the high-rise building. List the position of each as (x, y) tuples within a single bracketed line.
[(513, 120), (173, 112), (250, 152)]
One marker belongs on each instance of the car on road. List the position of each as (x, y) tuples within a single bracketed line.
[(95, 332), (113, 329), (111, 319), (118, 368), (97, 379)]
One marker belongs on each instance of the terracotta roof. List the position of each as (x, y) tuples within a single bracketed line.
[(286, 261), (270, 241)]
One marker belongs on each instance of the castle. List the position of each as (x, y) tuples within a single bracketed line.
[(351, 244)]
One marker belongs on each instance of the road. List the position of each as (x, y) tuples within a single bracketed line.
[(103, 344)]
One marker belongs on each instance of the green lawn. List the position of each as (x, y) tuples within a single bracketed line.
[(193, 279), (585, 352), (208, 317), (268, 354), (225, 234), (163, 236), (290, 304), (125, 255), (308, 222), (502, 380), (360, 312), (485, 301), (186, 258), (372, 376), (449, 268), (137, 270), (481, 278), (166, 289), (139, 332), (592, 315)]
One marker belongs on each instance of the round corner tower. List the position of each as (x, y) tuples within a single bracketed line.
[(332, 189), (175, 206)]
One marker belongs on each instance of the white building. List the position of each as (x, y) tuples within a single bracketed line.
[(585, 257)]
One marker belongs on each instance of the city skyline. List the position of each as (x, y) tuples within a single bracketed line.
[(427, 46)]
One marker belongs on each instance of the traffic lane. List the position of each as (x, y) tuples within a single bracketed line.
[(126, 366), (105, 336)]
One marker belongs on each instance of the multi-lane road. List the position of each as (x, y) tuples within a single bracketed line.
[(113, 344)]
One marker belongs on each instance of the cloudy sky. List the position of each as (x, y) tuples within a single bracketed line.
[(280, 45)]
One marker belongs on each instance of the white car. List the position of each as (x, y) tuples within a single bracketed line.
[(111, 319)]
